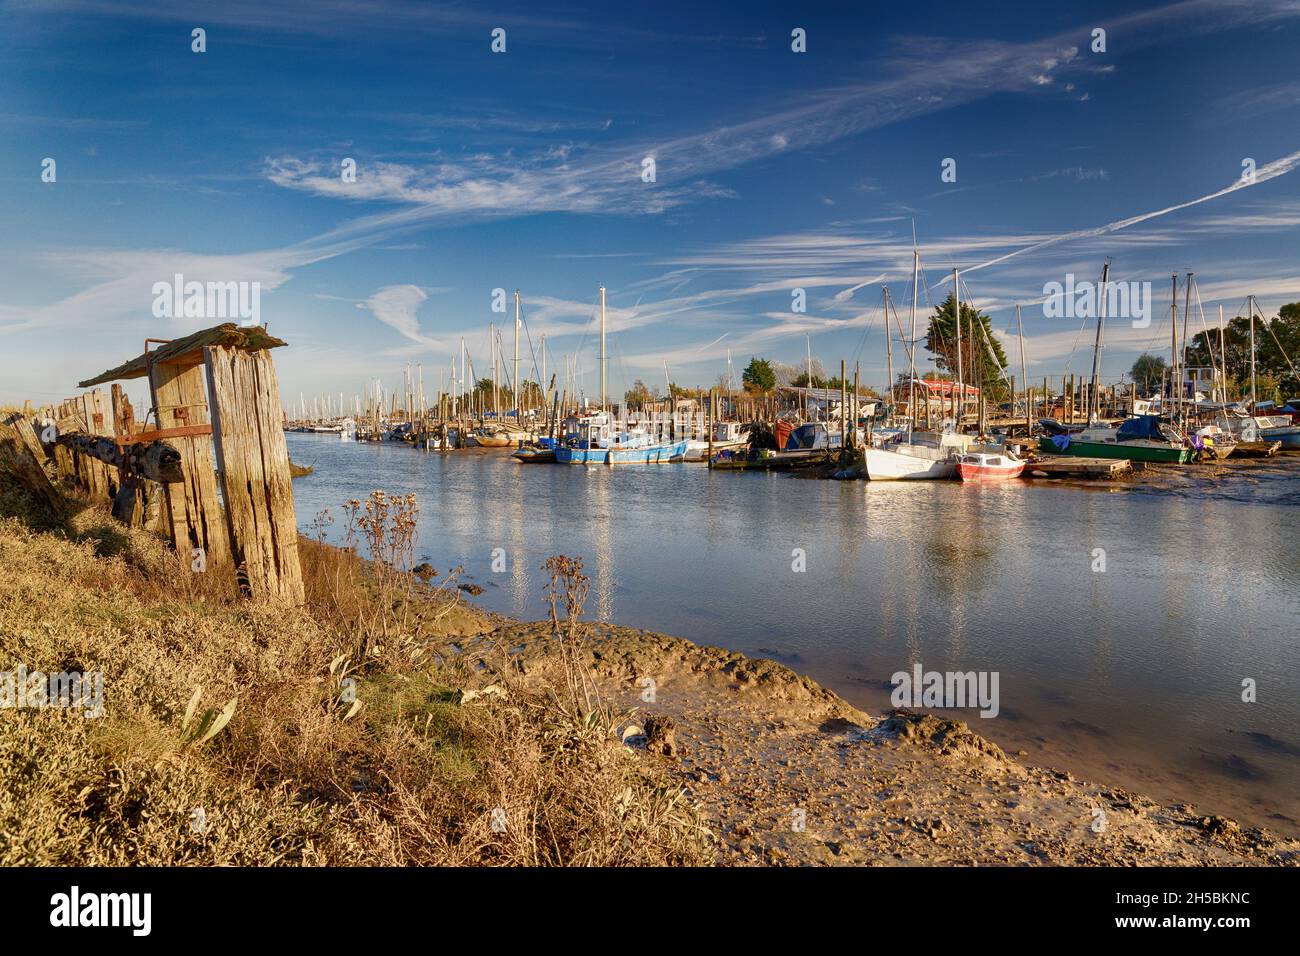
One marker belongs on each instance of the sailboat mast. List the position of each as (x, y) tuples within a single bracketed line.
[(1250, 307), (889, 356), (956, 312), (1024, 376), (808, 391), (1174, 377), (1094, 405), (514, 381), (1187, 314), (911, 351), (496, 394), (602, 348), (1223, 357)]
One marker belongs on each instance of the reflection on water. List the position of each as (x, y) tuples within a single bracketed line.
[(1131, 676)]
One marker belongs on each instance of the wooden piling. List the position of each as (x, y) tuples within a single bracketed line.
[(255, 478), (22, 458), (192, 507)]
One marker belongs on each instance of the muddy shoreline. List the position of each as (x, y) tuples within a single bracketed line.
[(787, 772)]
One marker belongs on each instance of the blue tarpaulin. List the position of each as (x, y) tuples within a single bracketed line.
[(1139, 426)]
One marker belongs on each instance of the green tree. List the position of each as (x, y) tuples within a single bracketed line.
[(639, 395), (982, 356), (1277, 350), (801, 381), (759, 375), (1148, 372)]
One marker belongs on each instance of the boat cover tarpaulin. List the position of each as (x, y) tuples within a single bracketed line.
[(1140, 426)]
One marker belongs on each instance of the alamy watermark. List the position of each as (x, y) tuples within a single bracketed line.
[(1082, 300), (208, 300), (950, 689), (74, 908), (36, 690)]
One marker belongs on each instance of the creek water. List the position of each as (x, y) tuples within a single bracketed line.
[(1121, 619)]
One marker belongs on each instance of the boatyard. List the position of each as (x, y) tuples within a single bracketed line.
[(504, 436), (918, 427)]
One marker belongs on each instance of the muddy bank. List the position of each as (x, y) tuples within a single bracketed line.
[(787, 772)]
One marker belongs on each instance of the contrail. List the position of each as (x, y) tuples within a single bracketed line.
[(1279, 167)]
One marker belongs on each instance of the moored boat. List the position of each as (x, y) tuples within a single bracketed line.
[(727, 436), (534, 455), (542, 451), (1214, 443), (1279, 428), (594, 441), (908, 463), (984, 466), (928, 456), (1141, 438)]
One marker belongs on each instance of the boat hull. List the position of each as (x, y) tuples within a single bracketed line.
[(535, 456), (883, 465), (1133, 451), (989, 472), (650, 455), (697, 450), (1288, 436)]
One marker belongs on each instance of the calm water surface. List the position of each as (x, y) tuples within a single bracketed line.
[(1130, 677)]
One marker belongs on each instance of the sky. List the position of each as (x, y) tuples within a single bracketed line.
[(773, 171)]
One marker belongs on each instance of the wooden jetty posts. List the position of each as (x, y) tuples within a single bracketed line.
[(215, 457), (21, 457)]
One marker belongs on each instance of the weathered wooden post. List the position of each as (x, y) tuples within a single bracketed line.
[(23, 458), (255, 478), (180, 404), (264, 556), (129, 502)]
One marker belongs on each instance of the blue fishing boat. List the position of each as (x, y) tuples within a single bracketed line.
[(1278, 424), (593, 440)]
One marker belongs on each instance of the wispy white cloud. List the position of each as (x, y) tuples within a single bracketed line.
[(395, 306), (1269, 171)]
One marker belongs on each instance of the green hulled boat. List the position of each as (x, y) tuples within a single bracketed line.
[(1140, 438)]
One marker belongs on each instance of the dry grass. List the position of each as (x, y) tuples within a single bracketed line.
[(349, 742)]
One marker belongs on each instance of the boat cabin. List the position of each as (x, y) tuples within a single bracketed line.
[(727, 432), (600, 431)]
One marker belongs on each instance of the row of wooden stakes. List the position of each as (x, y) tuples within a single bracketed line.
[(211, 400)]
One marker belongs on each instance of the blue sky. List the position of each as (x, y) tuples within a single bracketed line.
[(775, 170)]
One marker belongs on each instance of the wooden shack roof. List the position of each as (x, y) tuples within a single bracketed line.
[(250, 339)]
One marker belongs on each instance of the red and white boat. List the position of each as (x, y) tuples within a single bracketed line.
[(985, 466)]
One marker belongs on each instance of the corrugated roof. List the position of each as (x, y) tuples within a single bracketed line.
[(250, 339)]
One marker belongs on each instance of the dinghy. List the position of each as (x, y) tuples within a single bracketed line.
[(982, 466)]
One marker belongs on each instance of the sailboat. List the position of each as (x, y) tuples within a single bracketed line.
[(1138, 438), (913, 456), (596, 440), (910, 461)]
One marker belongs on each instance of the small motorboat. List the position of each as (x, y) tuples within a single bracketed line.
[(984, 466), (542, 453)]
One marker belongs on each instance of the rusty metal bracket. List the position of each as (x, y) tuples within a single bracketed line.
[(186, 431)]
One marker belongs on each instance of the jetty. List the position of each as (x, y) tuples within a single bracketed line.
[(1065, 466)]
